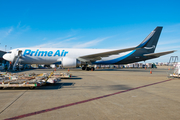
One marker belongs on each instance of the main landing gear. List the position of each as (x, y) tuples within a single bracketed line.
[(88, 68)]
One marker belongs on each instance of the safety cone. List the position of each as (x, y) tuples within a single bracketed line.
[(150, 71), (68, 69), (145, 67)]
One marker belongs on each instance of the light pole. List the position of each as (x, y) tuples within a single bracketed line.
[(5, 47), (10, 48)]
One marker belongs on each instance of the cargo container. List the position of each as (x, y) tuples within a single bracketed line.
[(136, 65), (131, 65), (140, 65)]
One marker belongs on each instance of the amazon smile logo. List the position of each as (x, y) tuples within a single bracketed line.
[(150, 47)]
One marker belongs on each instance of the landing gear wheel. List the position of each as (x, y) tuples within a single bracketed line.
[(83, 68), (32, 88), (87, 69), (92, 68)]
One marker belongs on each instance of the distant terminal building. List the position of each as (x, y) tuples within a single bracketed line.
[(3, 63), (1, 57)]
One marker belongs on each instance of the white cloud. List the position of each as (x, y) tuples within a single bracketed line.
[(8, 31), (90, 43), (172, 28), (44, 38), (168, 42), (54, 44), (11, 32), (5, 32), (19, 24), (69, 43), (69, 39), (177, 47)]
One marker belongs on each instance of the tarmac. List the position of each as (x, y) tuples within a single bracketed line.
[(103, 94)]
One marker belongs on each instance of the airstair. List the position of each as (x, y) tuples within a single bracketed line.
[(16, 59), (173, 67)]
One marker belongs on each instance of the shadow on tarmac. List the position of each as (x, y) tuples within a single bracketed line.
[(74, 78), (70, 84), (119, 87), (109, 87), (54, 86)]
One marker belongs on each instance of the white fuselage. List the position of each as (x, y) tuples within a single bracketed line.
[(54, 55)]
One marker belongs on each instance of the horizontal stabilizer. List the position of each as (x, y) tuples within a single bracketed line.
[(159, 54)]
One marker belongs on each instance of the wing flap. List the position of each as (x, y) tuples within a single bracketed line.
[(159, 54)]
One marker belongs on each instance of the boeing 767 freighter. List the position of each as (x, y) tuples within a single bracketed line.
[(84, 57)]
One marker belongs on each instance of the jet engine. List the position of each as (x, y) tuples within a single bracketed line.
[(70, 62)]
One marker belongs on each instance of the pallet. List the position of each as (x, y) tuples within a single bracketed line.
[(30, 80), (20, 80), (174, 75), (62, 75)]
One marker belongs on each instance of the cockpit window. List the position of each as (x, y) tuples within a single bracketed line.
[(9, 52)]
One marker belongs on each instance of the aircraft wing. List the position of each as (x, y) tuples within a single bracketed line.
[(159, 54), (97, 56)]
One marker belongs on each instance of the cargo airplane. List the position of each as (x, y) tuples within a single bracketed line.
[(84, 57)]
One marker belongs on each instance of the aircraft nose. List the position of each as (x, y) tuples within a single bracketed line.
[(7, 57)]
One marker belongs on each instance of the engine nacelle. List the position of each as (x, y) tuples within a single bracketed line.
[(70, 62)]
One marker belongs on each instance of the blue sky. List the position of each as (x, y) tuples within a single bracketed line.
[(112, 24)]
